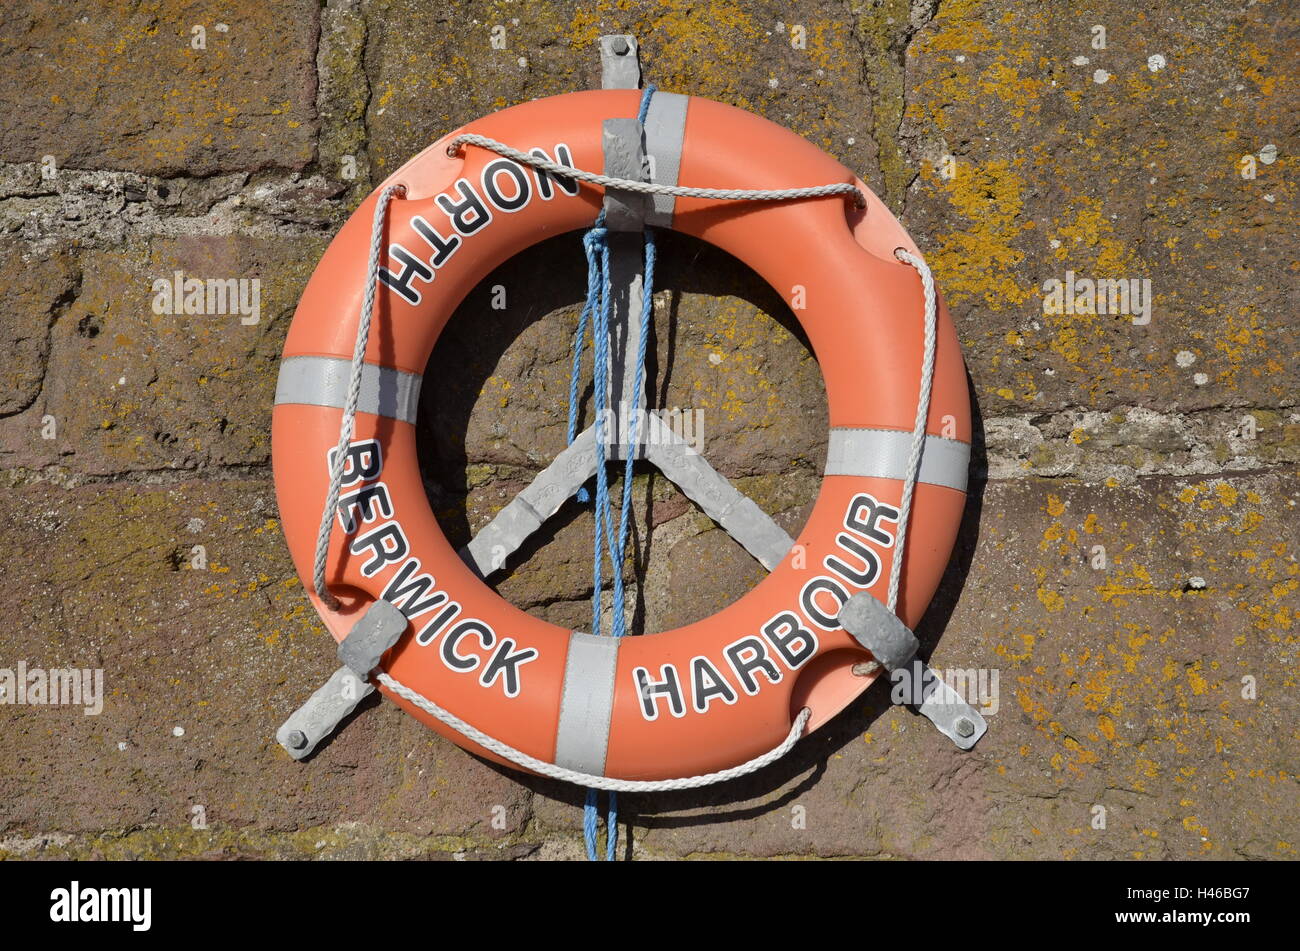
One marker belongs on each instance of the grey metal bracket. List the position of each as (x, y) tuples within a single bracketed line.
[(374, 633), (623, 144), (894, 647), (737, 514), (619, 65), (323, 712), (524, 514)]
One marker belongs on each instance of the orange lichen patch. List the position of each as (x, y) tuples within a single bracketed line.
[(1135, 582), (981, 260), (1106, 727), (1051, 600)]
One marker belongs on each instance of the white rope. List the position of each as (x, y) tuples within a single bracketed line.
[(354, 395), (918, 429), (586, 779), (653, 188)]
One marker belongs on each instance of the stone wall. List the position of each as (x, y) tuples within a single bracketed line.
[(1127, 564)]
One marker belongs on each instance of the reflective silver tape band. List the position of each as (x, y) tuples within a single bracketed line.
[(882, 454), (586, 703), (665, 128), (323, 381)]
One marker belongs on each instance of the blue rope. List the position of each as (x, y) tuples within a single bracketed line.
[(590, 243), (596, 312)]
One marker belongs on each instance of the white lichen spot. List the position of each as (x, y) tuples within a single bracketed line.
[(961, 59), (1155, 62), (194, 526), (772, 83), (851, 140), (1053, 243), (1268, 154), (523, 62), (122, 746), (1100, 76), (1184, 358), (1080, 61), (1196, 583), (178, 731), (715, 358), (1200, 379)]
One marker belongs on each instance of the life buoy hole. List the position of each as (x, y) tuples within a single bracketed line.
[(828, 681), (732, 375)]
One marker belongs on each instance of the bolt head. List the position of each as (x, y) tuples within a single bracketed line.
[(965, 728), (298, 740), (620, 46)]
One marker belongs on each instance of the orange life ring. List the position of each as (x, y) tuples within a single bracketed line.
[(706, 696)]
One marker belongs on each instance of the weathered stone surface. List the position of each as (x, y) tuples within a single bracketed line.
[(126, 88), (744, 385), (35, 292), (342, 96), (1041, 154), (1131, 441), (132, 389), (1119, 686), (444, 55), (200, 667)]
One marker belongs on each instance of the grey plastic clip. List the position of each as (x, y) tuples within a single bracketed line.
[(375, 632), (894, 647), (322, 713), (879, 630)]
